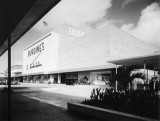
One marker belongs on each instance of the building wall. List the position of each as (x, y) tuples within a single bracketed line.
[(87, 51), (42, 56), (68, 33), (70, 48), (100, 46), (124, 45), (16, 69)]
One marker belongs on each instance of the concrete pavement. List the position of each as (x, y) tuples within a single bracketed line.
[(48, 100), (27, 109), (60, 94)]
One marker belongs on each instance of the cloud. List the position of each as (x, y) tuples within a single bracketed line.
[(126, 2), (148, 26), (75, 12)]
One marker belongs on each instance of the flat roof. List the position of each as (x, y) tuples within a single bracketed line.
[(18, 16), (152, 60)]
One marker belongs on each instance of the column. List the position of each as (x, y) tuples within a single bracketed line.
[(154, 80), (9, 78), (116, 78), (147, 82), (144, 68), (27, 79), (59, 78), (147, 77), (144, 74), (51, 78), (159, 76)]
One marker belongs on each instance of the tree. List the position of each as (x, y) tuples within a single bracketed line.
[(123, 76), (5, 74), (137, 75)]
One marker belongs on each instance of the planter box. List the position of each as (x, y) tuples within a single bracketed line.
[(105, 114)]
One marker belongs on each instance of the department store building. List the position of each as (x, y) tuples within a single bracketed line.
[(69, 55)]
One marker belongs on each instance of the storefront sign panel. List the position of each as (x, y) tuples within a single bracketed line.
[(36, 57)]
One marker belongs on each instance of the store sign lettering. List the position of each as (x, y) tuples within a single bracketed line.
[(74, 32), (36, 49), (34, 65)]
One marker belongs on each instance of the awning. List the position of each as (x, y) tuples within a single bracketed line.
[(152, 61), (18, 16)]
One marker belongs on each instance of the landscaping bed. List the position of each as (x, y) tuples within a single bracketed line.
[(144, 103)]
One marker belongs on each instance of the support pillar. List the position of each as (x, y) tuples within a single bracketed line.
[(147, 82), (59, 78), (51, 78), (27, 79), (144, 74), (116, 78), (159, 76), (144, 68), (154, 80), (129, 86), (9, 78), (147, 77)]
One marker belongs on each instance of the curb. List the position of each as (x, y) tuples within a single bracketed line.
[(106, 114)]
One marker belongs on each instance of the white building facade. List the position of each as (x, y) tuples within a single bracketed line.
[(70, 55)]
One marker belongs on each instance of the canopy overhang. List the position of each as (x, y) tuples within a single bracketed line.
[(152, 60), (18, 16)]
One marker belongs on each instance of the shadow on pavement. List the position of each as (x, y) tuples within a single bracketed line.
[(3, 105), (26, 109)]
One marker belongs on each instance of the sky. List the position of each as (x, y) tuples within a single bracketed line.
[(140, 18)]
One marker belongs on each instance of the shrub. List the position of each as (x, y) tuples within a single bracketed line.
[(139, 102)]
